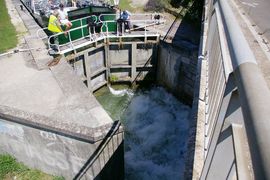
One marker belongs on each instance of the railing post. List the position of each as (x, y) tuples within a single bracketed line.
[(145, 38), (82, 28), (107, 30)]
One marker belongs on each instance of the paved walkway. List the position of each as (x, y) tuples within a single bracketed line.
[(51, 97), (256, 41)]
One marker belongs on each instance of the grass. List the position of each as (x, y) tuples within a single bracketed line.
[(7, 30), (125, 5), (10, 168)]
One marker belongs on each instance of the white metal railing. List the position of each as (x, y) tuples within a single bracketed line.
[(93, 37), (137, 16), (81, 23), (100, 18)]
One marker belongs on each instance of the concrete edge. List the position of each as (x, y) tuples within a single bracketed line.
[(87, 134), (196, 162)]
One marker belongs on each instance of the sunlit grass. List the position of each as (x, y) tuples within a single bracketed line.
[(125, 5), (8, 33), (11, 169)]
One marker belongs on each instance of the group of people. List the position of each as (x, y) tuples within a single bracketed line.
[(59, 20)]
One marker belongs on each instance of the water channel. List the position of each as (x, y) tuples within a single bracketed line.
[(156, 130)]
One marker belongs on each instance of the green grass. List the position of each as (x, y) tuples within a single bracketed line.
[(9, 168), (125, 5), (7, 30)]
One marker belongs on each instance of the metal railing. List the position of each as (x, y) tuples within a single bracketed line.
[(135, 16), (94, 37), (72, 21), (236, 93)]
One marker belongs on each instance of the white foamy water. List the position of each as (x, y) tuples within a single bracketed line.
[(156, 126), (121, 92)]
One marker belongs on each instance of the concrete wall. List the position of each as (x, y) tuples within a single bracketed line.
[(62, 155), (177, 71)]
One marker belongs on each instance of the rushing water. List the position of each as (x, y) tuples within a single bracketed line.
[(156, 132), (115, 100)]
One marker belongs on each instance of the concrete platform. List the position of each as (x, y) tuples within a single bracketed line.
[(53, 98)]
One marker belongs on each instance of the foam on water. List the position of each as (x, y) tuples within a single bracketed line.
[(121, 92), (156, 137)]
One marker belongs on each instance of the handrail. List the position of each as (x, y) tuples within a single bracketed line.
[(102, 15), (253, 92), (162, 17), (104, 24), (74, 21)]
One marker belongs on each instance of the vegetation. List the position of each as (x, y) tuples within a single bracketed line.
[(113, 78), (194, 13), (9, 169), (7, 30), (125, 5), (157, 5)]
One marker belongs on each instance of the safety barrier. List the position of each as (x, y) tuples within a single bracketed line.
[(85, 36), (237, 100)]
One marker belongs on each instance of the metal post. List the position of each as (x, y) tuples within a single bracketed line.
[(82, 28), (133, 61)]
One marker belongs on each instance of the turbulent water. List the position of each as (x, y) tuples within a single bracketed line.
[(115, 100), (156, 134)]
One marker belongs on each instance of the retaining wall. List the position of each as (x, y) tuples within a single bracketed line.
[(64, 155), (177, 71)]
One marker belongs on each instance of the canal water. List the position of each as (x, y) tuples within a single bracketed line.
[(156, 131)]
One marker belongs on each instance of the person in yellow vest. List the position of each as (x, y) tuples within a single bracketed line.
[(54, 24), (55, 27)]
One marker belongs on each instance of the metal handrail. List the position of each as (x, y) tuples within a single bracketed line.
[(70, 21), (162, 17), (253, 92), (104, 24)]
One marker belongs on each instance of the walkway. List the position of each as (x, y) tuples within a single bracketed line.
[(257, 42), (54, 98)]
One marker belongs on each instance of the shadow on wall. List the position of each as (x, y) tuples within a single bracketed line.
[(114, 168), (187, 35), (178, 55), (110, 171)]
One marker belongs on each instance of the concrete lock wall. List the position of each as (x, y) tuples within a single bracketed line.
[(171, 67), (60, 155), (177, 71)]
